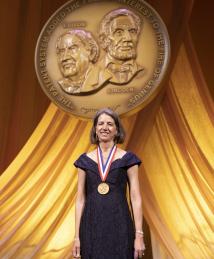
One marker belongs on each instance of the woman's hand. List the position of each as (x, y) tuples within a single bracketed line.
[(76, 248), (139, 247)]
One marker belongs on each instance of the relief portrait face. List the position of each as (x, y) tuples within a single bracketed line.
[(73, 56), (123, 38)]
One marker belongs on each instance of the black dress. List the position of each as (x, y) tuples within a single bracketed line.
[(106, 227)]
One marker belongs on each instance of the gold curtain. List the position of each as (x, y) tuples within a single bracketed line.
[(177, 180), (22, 101), (37, 191)]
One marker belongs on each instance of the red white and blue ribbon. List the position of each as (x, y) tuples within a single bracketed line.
[(104, 168)]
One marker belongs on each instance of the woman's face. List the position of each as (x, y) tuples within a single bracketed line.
[(106, 129)]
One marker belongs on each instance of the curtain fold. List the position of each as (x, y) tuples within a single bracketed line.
[(37, 190), (178, 162)]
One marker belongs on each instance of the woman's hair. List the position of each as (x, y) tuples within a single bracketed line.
[(119, 138)]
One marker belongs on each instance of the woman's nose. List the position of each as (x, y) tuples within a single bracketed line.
[(105, 126)]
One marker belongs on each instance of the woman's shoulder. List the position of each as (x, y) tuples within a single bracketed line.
[(120, 153), (92, 154), (81, 162), (125, 153), (86, 158), (130, 158)]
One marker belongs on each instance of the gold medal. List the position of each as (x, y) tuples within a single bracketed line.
[(103, 188)]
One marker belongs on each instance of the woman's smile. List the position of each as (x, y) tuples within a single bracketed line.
[(106, 129)]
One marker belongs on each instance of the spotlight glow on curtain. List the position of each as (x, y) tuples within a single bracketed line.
[(37, 191)]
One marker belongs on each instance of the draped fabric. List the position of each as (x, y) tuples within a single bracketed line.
[(22, 101), (177, 180), (173, 136), (38, 188)]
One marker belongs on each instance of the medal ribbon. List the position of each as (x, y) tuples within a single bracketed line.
[(104, 168)]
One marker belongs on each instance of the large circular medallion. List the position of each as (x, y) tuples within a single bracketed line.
[(95, 54)]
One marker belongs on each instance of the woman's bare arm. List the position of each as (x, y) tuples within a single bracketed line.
[(80, 203), (136, 202)]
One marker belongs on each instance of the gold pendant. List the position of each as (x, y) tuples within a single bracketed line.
[(103, 188)]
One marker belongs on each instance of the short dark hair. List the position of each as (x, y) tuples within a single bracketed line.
[(119, 138)]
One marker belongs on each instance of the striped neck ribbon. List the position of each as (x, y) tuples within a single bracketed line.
[(104, 168)]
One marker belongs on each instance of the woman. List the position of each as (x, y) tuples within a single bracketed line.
[(104, 228)]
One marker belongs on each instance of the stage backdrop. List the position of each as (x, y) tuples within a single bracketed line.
[(173, 137)]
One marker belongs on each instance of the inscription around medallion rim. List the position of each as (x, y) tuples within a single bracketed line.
[(140, 91)]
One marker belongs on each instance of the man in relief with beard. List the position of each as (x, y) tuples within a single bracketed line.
[(77, 52), (118, 36)]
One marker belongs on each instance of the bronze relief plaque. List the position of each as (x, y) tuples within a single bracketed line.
[(96, 54)]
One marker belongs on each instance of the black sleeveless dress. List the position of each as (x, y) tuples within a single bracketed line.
[(106, 227)]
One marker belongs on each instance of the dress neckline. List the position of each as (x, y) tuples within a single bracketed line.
[(112, 161)]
